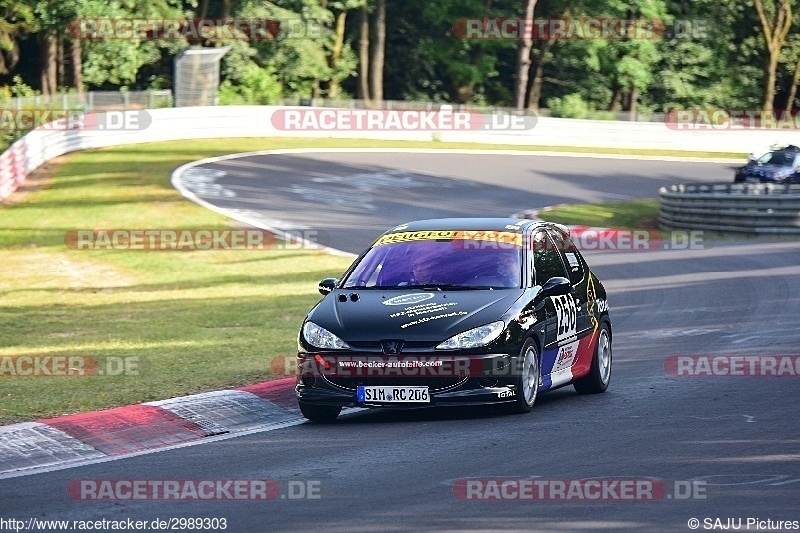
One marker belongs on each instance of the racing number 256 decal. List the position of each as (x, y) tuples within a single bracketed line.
[(567, 314)]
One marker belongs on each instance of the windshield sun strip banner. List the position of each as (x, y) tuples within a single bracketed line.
[(501, 237)]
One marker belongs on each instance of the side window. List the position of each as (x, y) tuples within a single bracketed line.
[(546, 258), (570, 256)]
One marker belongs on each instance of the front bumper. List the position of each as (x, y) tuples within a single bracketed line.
[(745, 177), (467, 380)]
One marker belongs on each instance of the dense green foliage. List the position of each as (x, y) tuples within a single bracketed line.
[(713, 53)]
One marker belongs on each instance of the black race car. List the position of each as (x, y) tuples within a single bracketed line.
[(456, 312), (780, 164)]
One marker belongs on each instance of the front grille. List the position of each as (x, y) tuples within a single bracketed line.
[(408, 346), (434, 383)]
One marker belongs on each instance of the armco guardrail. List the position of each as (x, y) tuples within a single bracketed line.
[(731, 207), (166, 124)]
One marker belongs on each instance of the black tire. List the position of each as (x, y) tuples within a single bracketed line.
[(599, 376), (320, 413), (528, 370)]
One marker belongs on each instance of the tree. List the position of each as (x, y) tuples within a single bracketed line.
[(776, 20), (791, 58), (300, 57), (118, 62), (543, 56), (378, 52), (363, 53), (52, 18), (449, 65), (16, 19), (338, 57), (524, 58)]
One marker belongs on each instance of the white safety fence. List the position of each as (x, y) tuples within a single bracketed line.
[(41, 145)]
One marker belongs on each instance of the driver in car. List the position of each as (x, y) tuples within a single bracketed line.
[(508, 270), (422, 271)]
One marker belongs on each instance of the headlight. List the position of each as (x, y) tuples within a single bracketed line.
[(475, 337), (322, 338)]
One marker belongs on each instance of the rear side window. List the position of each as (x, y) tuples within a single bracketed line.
[(569, 254), (546, 258)]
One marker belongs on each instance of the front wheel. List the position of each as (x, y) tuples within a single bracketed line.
[(320, 413), (527, 381), (599, 376)]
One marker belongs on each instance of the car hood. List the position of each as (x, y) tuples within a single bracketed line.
[(373, 315)]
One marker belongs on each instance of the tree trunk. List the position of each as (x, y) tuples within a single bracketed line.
[(9, 58), (378, 52), (464, 93), (615, 101), (634, 97), (769, 84), (61, 79), (775, 33), (535, 94), (793, 88), (363, 55), (524, 58), (48, 69), (77, 66), (336, 54)]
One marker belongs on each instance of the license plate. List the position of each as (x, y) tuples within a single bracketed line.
[(393, 394)]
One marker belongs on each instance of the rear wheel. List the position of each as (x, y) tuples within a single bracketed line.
[(320, 413), (527, 381), (599, 376)]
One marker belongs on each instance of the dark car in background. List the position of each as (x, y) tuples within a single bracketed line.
[(780, 164), (453, 312)]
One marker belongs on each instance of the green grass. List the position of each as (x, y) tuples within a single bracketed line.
[(195, 321), (632, 214)]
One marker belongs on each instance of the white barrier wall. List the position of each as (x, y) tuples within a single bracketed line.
[(41, 145)]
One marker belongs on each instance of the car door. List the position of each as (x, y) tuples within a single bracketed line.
[(584, 292), (561, 314), (576, 273)]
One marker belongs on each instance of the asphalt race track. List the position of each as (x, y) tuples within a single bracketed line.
[(734, 441), (350, 198)]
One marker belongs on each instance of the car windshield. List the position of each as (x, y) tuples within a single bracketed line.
[(443, 264)]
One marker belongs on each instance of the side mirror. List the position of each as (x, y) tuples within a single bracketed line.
[(327, 285), (556, 286)]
